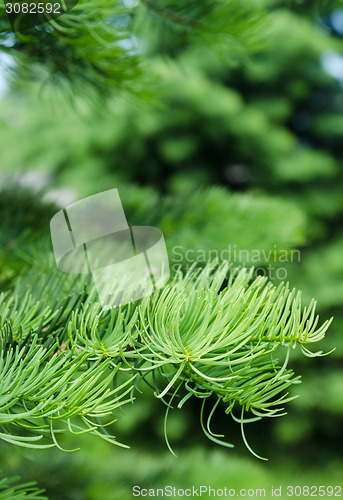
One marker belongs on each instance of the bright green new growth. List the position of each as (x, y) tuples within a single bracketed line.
[(26, 491), (216, 334)]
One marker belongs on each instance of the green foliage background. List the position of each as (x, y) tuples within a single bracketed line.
[(218, 141)]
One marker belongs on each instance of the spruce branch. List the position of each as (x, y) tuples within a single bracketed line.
[(41, 388), (100, 46), (67, 365), (10, 489), (226, 342)]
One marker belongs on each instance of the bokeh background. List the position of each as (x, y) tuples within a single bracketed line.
[(242, 150)]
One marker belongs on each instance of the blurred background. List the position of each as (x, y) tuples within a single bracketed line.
[(239, 151)]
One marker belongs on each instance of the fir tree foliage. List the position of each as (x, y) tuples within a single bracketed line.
[(101, 44), (68, 366), (11, 490)]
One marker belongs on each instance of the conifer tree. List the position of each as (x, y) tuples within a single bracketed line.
[(213, 333)]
